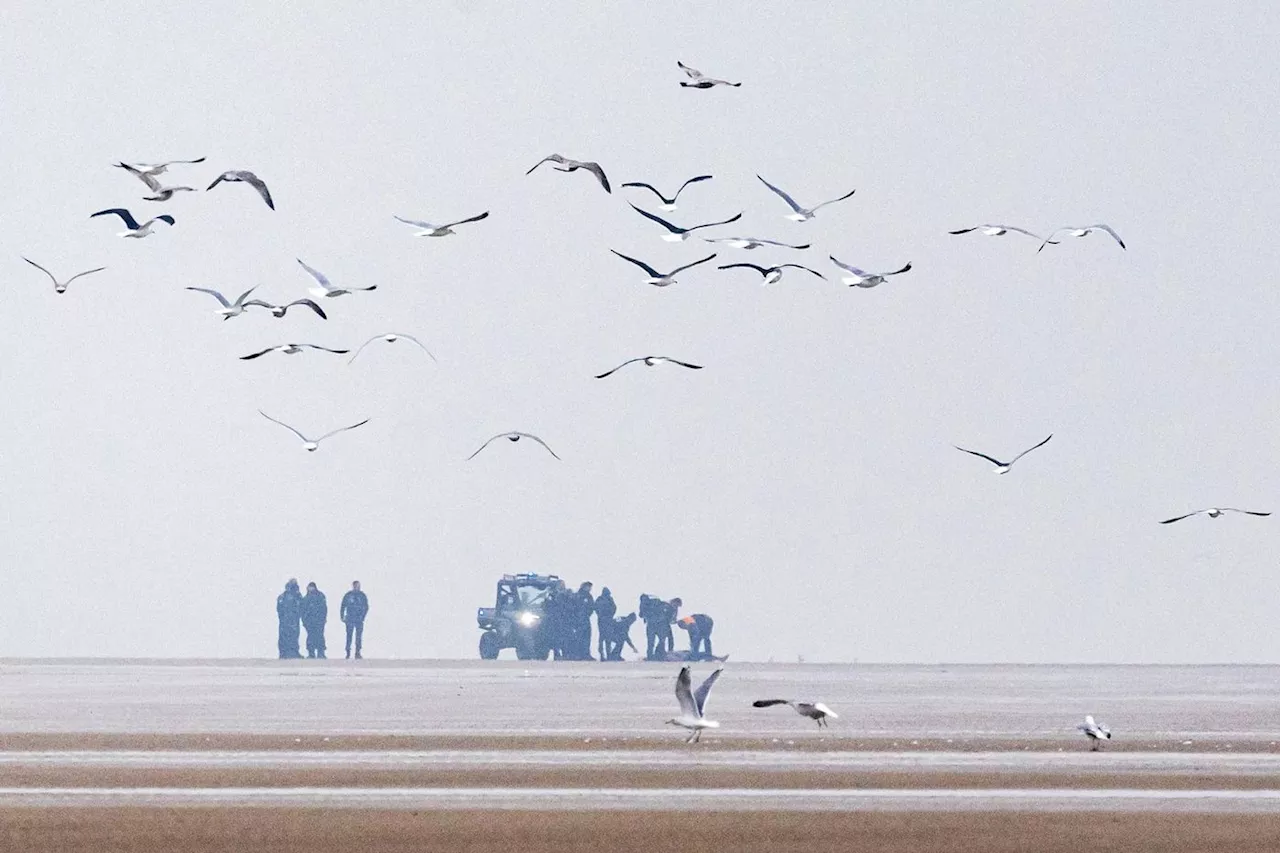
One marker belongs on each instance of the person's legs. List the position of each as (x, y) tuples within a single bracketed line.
[(359, 638), (351, 626)]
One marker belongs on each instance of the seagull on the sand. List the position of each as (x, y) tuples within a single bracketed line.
[(309, 444), (391, 338), (650, 361), (1214, 512), (513, 437), (813, 710), (154, 169), (1094, 731), (234, 309), (698, 80), (772, 275), (61, 286), (996, 230), (135, 230), (656, 278), (1003, 467), (326, 288), (667, 203), (693, 705), (862, 278), (567, 165), (678, 234), (1080, 231), (241, 176), (292, 349), (159, 192), (802, 214), (750, 242), (429, 230)]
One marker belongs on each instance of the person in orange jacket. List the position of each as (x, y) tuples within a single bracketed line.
[(699, 626)]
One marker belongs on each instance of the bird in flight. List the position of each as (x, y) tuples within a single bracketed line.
[(650, 361), (750, 242), (802, 214), (656, 278), (678, 234), (771, 275), (135, 230), (862, 278), (61, 286), (698, 80), (813, 710), (429, 230), (307, 443), (234, 309), (567, 165), (996, 231), (1003, 467), (1094, 731), (292, 349), (159, 192), (668, 204), (281, 310), (241, 176), (1080, 231), (1214, 512), (326, 288), (391, 338), (693, 705), (154, 169), (512, 437)]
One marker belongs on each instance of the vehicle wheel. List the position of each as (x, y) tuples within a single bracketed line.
[(489, 646)]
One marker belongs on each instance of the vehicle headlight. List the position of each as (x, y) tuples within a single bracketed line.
[(528, 619)]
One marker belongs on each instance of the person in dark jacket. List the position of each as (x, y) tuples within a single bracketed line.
[(584, 606), (354, 607), (651, 614), (289, 612), (699, 626), (670, 612), (555, 612), (606, 608), (315, 612)]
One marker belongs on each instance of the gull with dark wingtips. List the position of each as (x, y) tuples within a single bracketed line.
[(1096, 732), (656, 278), (154, 169), (693, 705), (233, 309), (567, 165), (815, 711), (668, 204), (1003, 467), (429, 230), (862, 278), (307, 443), (292, 349), (751, 242), (61, 286), (159, 192), (772, 275), (327, 288), (241, 176), (802, 214), (513, 437), (135, 230), (391, 338), (1214, 512), (996, 231), (698, 80), (650, 361), (1080, 231), (676, 233)]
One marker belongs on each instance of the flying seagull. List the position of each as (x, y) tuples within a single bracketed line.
[(135, 230), (158, 191), (751, 242), (650, 361), (667, 203), (234, 309), (1003, 467), (677, 234), (656, 278), (430, 230), (61, 286), (391, 338), (862, 278), (154, 169), (813, 710), (996, 231), (307, 443), (326, 288), (1214, 512), (693, 705), (698, 80), (802, 214), (281, 310), (513, 437), (1080, 231), (292, 349), (567, 165), (239, 175), (772, 275), (1094, 731)]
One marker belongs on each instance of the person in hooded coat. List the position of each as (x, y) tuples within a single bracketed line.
[(289, 612), (315, 612)]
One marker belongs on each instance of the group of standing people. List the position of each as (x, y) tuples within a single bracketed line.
[(311, 611), (568, 616), (659, 615)]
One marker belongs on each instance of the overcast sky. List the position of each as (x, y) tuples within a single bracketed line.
[(802, 489)]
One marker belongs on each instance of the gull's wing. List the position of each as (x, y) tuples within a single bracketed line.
[(769, 703), (1015, 229), (164, 217), (45, 271), (1029, 449), (834, 200), (360, 349), (1101, 226), (535, 438), (684, 694), (824, 709), (326, 349), (170, 163), (254, 355), (417, 222), (486, 444), (419, 343), (653, 190), (694, 264), (1052, 234), (316, 274), (242, 297), (802, 267), (1245, 511), (217, 181), (141, 175), (713, 224), (215, 294), (341, 429), (283, 424), (1180, 517), (619, 367), (681, 363), (701, 695), (77, 275), (776, 243), (465, 221), (686, 183), (788, 199), (594, 168), (693, 73), (554, 158), (249, 303), (305, 302), (129, 221), (674, 229), (966, 230), (906, 268), (258, 184), (848, 268), (990, 459), (756, 267), (650, 270)]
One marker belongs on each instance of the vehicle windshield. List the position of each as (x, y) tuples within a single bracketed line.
[(531, 596)]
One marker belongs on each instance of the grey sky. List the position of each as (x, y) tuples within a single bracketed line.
[(802, 488)]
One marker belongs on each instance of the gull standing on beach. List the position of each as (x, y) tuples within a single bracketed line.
[(61, 286), (1094, 731), (693, 705), (802, 214)]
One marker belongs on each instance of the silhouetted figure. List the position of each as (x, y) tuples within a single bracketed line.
[(555, 610), (651, 613), (289, 612), (699, 626), (315, 612), (606, 608), (584, 606), (354, 607), (670, 612), (617, 633)]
